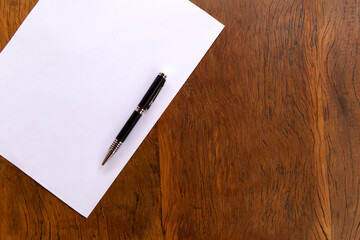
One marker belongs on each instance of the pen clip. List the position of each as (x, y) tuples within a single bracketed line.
[(154, 97)]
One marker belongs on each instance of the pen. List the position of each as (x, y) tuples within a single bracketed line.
[(144, 105)]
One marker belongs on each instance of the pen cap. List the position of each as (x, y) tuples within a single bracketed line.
[(153, 91)]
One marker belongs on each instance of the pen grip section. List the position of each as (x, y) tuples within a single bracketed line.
[(129, 125)]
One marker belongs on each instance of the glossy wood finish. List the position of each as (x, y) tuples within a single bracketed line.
[(262, 142)]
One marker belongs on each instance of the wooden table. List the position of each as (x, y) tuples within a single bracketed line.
[(262, 142)]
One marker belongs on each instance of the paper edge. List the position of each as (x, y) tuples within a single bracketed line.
[(161, 114)]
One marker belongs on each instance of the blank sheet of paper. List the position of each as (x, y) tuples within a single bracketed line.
[(75, 71)]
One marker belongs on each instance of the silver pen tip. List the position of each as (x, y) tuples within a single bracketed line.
[(113, 149), (108, 156)]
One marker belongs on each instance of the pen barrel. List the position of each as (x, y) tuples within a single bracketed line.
[(129, 125), (152, 92)]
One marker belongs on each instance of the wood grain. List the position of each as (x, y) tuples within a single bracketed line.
[(262, 142)]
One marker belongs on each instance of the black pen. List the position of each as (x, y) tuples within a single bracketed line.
[(144, 105)]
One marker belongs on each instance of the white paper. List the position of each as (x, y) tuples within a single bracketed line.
[(74, 72)]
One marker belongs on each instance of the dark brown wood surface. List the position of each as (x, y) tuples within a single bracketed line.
[(262, 142)]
